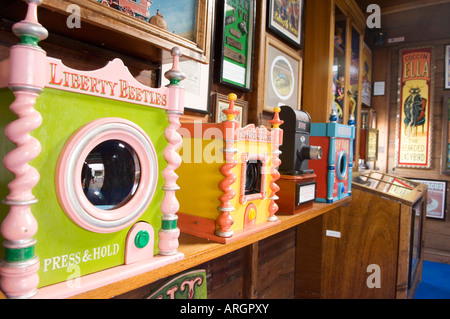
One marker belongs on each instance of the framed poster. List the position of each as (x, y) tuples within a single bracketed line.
[(437, 197), (284, 18), (447, 67), (236, 43), (366, 92), (414, 119), (222, 103), (196, 84), (372, 144), (283, 71), (445, 135)]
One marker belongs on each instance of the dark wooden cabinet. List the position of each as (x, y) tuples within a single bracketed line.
[(371, 248)]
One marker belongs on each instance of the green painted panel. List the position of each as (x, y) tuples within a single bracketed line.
[(66, 250)]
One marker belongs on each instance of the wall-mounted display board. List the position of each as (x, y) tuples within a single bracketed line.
[(414, 116), (445, 135), (236, 27)]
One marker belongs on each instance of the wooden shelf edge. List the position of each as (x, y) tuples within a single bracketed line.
[(198, 251)]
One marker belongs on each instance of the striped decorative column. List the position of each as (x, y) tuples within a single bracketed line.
[(277, 140), (169, 232), (225, 220), (18, 270), (331, 160), (351, 122)]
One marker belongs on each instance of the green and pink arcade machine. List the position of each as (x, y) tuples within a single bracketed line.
[(88, 175)]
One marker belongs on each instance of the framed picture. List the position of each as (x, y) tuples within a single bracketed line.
[(222, 103), (447, 67), (179, 15), (184, 23), (414, 112), (369, 146), (445, 135), (283, 71), (196, 84), (235, 44), (366, 92), (284, 18), (437, 197)]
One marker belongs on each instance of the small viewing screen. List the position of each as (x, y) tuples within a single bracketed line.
[(253, 178)]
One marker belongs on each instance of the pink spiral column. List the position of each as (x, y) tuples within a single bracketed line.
[(225, 220), (169, 232), (277, 140), (18, 270)]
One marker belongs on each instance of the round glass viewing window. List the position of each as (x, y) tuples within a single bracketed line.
[(106, 175), (111, 174), (341, 167)]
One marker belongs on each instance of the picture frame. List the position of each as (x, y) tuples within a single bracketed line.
[(366, 91), (369, 144), (286, 21), (447, 67), (283, 69), (436, 198), (235, 43), (196, 84), (445, 150), (414, 125), (179, 15), (221, 103), (195, 39)]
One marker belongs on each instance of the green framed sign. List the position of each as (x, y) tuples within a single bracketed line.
[(235, 43)]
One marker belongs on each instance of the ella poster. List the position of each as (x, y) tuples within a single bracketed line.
[(414, 118)]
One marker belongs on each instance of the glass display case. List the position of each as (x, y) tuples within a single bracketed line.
[(333, 64)]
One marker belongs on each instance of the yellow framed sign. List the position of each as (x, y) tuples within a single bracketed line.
[(414, 121)]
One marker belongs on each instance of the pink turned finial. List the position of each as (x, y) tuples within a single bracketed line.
[(231, 112)]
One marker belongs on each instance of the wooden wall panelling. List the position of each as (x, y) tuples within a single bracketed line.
[(251, 271), (308, 259), (319, 31), (276, 266), (262, 270), (380, 103)]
